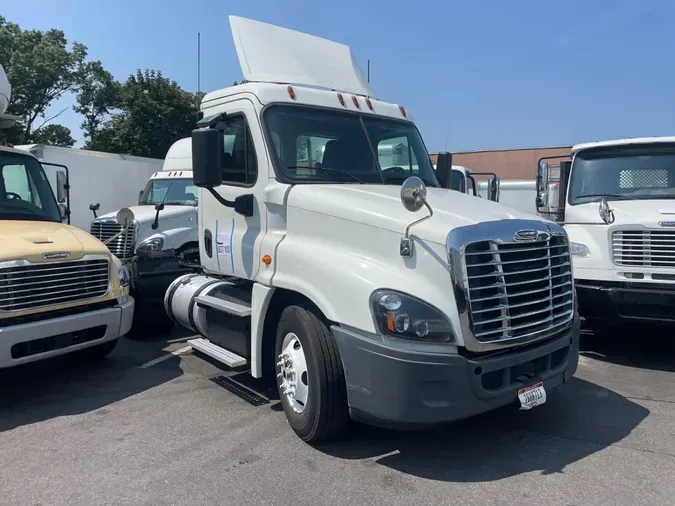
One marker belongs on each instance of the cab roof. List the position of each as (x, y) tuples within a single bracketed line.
[(622, 142)]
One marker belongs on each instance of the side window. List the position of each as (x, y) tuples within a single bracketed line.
[(396, 152), (17, 182), (457, 181), (240, 164)]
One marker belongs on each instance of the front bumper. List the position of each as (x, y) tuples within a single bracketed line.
[(152, 275), (37, 340), (617, 300), (393, 388)]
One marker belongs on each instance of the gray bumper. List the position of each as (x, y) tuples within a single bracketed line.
[(390, 387), (113, 322)]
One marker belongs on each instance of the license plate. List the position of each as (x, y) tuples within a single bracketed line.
[(532, 396)]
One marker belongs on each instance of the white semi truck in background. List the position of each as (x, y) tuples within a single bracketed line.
[(366, 292), (159, 240), (616, 200)]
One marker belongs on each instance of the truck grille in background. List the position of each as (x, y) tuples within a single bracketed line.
[(123, 245), (39, 285), (646, 248), (518, 289)]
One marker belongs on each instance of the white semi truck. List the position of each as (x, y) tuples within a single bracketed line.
[(616, 200), (368, 292), (159, 240)]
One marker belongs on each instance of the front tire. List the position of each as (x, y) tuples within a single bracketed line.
[(310, 378)]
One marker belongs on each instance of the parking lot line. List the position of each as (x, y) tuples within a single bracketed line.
[(165, 357)]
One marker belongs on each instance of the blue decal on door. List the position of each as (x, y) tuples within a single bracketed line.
[(231, 248), (217, 248)]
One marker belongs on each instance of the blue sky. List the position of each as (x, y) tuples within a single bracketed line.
[(475, 75)]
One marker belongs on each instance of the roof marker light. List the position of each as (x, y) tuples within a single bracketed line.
[(341, 99), (369, 104), (291, 92), (356, 102), (402, 109)]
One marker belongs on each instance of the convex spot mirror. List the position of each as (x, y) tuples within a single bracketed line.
[(413, 194), (605, 212)]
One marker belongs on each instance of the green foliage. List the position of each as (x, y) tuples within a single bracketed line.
[(41, 68), (54, 135), (98, 94), (154, 113)]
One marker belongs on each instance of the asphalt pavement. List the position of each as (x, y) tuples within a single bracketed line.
[(153, 424)]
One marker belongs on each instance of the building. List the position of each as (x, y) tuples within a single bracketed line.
[(506, 163)]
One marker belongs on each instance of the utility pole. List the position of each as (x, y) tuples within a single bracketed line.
[(199, 62), (368, 69)]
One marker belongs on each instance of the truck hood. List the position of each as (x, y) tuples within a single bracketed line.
[(380, 206), (30, 240), (626, 212), (146, 214)]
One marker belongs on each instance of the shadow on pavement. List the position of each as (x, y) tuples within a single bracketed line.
[(645, 346), (577, 421), (70, 385)]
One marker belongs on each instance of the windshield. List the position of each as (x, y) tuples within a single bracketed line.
[(628, 172), (175, 192), (332, 146), (25, 193)]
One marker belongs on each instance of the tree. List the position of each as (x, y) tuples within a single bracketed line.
[(154, 112), (41, 69), (54, 135), (97, 95)]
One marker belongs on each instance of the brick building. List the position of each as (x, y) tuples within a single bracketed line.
[(506, 163)]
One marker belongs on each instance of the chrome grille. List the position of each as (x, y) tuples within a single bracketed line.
[(518, 289), (644, 248), (123, 245), (38, 285)]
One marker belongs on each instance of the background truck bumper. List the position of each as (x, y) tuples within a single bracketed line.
[(50, 337), (153, 275), (615, 300), (401, 389)]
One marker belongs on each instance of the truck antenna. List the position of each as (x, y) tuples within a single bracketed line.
[(368, 69), (199, 62)]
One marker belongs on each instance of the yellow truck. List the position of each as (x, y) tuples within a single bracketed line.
[(61, 290)]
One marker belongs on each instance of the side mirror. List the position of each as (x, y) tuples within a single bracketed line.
[(158, 207), (493, 188), (444, 169), (94, 207), (542, 176), (605, 212), (140, 194), (207, 156), (413, 194), (64, 212), (61, 183)]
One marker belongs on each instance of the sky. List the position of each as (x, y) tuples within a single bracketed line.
[(488, 74)]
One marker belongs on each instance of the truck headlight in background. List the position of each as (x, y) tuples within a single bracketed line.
[(123, 276), (579, 250), (151, 245), (400, 315)]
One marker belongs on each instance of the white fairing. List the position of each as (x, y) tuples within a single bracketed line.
[(585, 227), (5, 91), (179, 156), (273, 54)]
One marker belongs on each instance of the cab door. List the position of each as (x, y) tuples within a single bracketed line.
[(231, 241)]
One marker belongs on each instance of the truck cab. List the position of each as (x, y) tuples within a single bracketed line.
[(61, 290), (616, 199), (159, 240), (363, 289)]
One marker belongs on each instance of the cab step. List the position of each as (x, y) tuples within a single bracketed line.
[(236, 308), (214, 351)]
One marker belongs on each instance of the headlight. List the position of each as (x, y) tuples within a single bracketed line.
[(123, 276), (406, 317), (154, 244), (579, 250)]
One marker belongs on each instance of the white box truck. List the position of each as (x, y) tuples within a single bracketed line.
[(367, 293), (109, 180), (616, 200)]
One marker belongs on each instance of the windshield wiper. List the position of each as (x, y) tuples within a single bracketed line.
[(612, 195), (333, 171)]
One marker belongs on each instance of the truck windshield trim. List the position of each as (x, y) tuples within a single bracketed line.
[(636, 172), (312, 144), (25, 192)]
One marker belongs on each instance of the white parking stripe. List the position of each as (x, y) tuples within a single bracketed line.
[(165, 357)]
